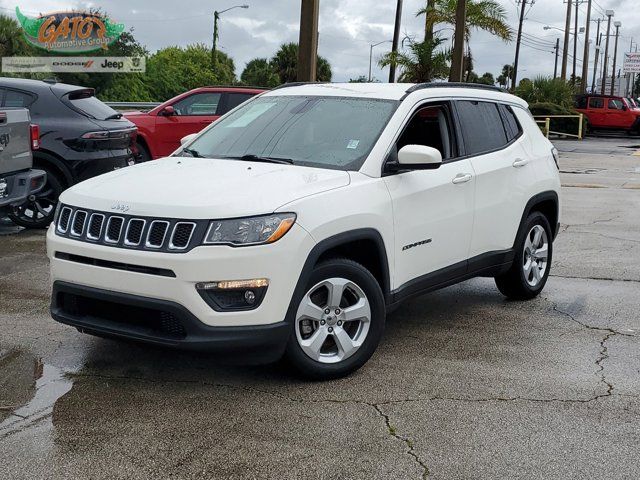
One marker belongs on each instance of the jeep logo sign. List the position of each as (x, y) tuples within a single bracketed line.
[(70, 31)]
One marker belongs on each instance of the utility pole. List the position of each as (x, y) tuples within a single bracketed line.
[(565, 47), (595, 60), (585, 57), (615, 57), (214, 56), (396, 38), (605, 59), (555, 65), (457, 58), (575, 44), (308, 43), (515, 62)]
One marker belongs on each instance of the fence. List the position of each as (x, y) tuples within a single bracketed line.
[(546, 121), (124, 106)]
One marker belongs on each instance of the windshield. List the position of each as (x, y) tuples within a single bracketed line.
[(326, 132)]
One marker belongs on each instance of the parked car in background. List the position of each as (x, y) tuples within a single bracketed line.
[(160, 129), (607, 112), (18, 137), (293, 224), (80, 137)]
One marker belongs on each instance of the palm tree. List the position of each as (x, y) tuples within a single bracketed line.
[(487, 15), (285, 64), (12, 41), (423, 62), (259, 72)]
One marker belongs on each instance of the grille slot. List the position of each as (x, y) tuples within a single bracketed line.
[(157, 233), (77, 226), (181, 235), (133, 236), (96, 221), (63, 221), (114, 230)]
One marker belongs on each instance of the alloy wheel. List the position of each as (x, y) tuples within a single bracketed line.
[(333, 320), (535, 255)]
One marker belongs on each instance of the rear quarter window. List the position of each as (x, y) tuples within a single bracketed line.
[(14, 98), (482, 126)]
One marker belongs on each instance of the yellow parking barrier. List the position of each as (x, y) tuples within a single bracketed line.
[(546, 120)]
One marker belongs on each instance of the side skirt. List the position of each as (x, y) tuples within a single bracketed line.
[(486, 265)]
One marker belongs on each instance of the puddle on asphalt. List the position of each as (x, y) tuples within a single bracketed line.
[(46, 385)]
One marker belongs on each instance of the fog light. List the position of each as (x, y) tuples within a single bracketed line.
[(233, 295)]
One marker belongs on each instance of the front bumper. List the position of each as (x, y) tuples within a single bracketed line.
[(17, 187), (160, 322)]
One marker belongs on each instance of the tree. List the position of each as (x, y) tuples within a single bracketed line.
[(174, 70), (423, 62), (360, 79), (504, 79), (259, 72), (12, 41), (487, 79), (487, 15), (285, 64)]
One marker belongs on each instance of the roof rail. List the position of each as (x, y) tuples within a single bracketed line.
[(255, 87), (297, 84), (481, 86)]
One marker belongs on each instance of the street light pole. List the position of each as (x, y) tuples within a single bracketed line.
[(595, 59), (216, 17), (555, 65), (565, 47), (575, 44), (615, 56), (585, 57), (371, 45), (605, 60)]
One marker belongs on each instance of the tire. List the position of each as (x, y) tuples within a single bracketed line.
[(38, 211), (528, 275), (143, 153), (361, 299)]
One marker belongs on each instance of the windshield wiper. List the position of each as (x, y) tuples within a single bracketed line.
[(192, 152), (260, 158), (115, 116)]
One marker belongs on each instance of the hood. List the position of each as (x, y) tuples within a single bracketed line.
[(133, 113), (202, 188)]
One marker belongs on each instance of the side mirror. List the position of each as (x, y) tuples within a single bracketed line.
[(624, 108), (419, 157), (188, 138), (168, 111)]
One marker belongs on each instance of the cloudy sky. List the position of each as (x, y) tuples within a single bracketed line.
[(347, 28)]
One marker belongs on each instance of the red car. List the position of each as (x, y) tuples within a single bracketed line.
[(606, 112), (160, 129)]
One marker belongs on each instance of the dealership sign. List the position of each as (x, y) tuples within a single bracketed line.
[(631, 62), (70, 32), (74, 64)]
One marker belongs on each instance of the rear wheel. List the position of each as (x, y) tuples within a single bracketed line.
[(530, 269), (143, 153), (339, 321), (38, 210)]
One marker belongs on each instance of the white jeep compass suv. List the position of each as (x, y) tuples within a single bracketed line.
[(296, 221)]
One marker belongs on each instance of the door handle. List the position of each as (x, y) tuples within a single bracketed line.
[(520, 162), (461, 178)]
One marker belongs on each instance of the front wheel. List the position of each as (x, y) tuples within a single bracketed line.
[(339, 321), (530, 269)]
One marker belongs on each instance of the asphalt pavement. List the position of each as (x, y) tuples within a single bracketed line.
[(465, 384)]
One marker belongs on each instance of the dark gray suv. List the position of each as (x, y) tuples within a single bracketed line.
[(80, 137)]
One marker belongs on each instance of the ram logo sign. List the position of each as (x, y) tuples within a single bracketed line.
[(69, 32)]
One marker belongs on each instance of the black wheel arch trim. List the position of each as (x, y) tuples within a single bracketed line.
[(336, 241), (533, 201), (44, 157)]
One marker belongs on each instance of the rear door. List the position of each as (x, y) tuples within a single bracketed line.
[(231, 100), (192, 114), (595, 112), (493, 142)]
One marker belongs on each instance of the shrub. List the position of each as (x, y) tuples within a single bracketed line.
[(546, 90)]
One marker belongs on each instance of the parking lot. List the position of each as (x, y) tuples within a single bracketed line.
[(464, 384)]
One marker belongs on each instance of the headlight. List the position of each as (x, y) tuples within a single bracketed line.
[(249, 231)]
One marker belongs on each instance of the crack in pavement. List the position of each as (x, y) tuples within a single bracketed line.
[(409, 444), (606, 279)]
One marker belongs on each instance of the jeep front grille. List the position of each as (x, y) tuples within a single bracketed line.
[(125, 231)]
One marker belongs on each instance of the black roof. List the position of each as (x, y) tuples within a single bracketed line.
[(37, 86)]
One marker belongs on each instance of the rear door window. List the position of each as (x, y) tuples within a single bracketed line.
[(235, 99), (595, 102), (14, 98), (482, 126)]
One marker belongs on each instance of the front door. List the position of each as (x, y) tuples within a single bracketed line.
[(433, 209), (192, 114)]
